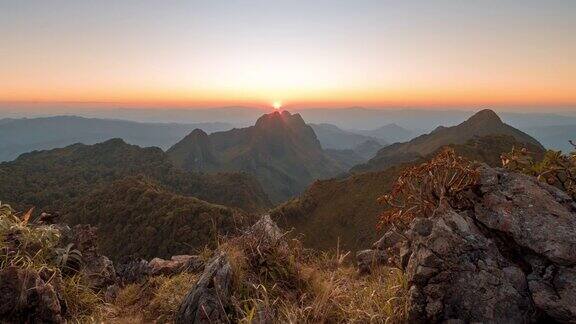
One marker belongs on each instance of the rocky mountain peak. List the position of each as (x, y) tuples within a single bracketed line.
[(281, 119)]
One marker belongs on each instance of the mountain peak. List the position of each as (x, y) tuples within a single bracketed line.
[(485, 116), (280, 118), (113, 142), (197, 133)]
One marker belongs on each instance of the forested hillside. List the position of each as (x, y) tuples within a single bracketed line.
[(56, 178)]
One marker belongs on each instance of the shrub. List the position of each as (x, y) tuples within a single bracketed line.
[(420, 189), (36, 247), (25, 246), (556, 168)]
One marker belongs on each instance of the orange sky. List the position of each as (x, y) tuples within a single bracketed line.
[(328, 53)]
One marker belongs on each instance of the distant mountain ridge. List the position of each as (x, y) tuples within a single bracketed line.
[(483, 123), (280, 150), (418, 119), (333, 137), (390, 133), (555, 137), (19, 136)]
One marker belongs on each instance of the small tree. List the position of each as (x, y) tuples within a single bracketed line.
[(419, 190)]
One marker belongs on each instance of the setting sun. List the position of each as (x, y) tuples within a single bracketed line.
[(277, 105)]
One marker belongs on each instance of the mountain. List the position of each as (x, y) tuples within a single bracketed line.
[(332, 137), (370, 118), (420, 119), (367, 149), (137, 216), (346, 209), (19, 136), (391, 133), (427, 118), (346, 158), (280, 150), (54, 179), (483, 123), (555, 137), (338, 211), (237, 115)]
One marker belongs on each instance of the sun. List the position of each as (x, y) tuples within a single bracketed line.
[(277, 105)]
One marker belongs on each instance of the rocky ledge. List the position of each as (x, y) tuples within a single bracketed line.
[(508, 258)]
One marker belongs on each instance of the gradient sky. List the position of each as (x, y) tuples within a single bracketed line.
[(301, 52)]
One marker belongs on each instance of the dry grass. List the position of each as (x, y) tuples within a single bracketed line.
[(25, 246), (82, 303), (155, 300), (169, 294), (290, 285), (35, 247), (340, 296)]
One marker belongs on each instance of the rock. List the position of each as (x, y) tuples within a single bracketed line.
[(26, 298), (367, 259), (176, 264), (457, 273), (389, 240), (556, 295), (210, 297), (533, 214), (509, 257), (265, 229), (131, 269), (396, 248), (111, 293), (99, 272), (195, 264), (160, 266)]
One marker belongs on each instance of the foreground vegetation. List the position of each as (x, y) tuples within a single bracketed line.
[(136, 216), (294, 284), (556, 168), (37, 250)]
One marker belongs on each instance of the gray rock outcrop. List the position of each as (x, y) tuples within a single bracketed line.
[(511, 258)]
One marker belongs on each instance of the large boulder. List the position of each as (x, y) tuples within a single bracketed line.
[(26, 297), (509, 258)]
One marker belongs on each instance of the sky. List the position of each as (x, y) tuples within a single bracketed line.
[(299, 53)]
